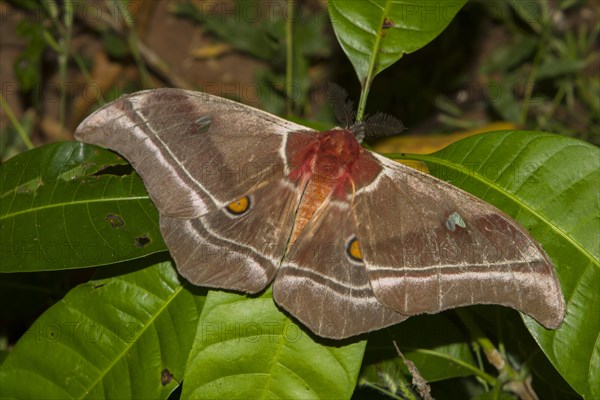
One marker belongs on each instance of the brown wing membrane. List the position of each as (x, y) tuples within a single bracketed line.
[(195, 152), (322, 286), (429, 246)]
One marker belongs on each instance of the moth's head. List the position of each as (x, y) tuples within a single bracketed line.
[(337, 149), (339, 142)]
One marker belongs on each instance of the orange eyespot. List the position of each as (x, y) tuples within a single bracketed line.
[(353, 250), (239, 206)]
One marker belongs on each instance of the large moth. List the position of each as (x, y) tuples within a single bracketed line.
[(352, 241)]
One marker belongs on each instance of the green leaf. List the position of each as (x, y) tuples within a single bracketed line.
[(71, 205), (126, 336), (549, 184), (246, 348), (530, 12), (375, 34)]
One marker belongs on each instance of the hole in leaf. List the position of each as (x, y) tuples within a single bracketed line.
[(176, 393), (387, 23), (165, 377), (117, 170), (142, 241), (115, 220)]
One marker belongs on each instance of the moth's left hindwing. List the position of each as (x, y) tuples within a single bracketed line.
[(323, 281), (203, 159)]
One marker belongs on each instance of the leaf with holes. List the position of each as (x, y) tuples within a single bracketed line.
[(246, 348), (121, 337), (549, 184), (71, 205), (376, 33)]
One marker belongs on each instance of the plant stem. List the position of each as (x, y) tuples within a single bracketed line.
[(536, 64), (132, 40), (13, 119), (362, 103), (480, 373), (289, 69), (63, 61), (366, 85)]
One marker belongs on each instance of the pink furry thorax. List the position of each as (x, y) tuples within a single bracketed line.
[(330, 158), (330, 165)]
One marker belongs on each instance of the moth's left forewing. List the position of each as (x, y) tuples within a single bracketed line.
[(199, 155), (429, 246)]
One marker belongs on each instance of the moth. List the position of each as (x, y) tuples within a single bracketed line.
[(351, 241)]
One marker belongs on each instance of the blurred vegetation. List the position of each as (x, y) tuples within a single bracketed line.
[(531, 64)]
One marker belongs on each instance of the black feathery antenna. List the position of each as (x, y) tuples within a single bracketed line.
[(343, 107), (378, 125)]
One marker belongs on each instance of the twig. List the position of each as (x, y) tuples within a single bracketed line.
[(417, 379), (290, 59)]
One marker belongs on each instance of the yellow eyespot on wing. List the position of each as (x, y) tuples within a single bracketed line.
[(239, 206), (353, 250)]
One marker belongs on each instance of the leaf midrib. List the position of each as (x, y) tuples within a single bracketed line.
[(72, 203), (131, 343)]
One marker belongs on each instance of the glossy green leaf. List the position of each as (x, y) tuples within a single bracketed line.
[(121, 337), (375, 34), (549, 184), (246, 348), (71, 205)]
